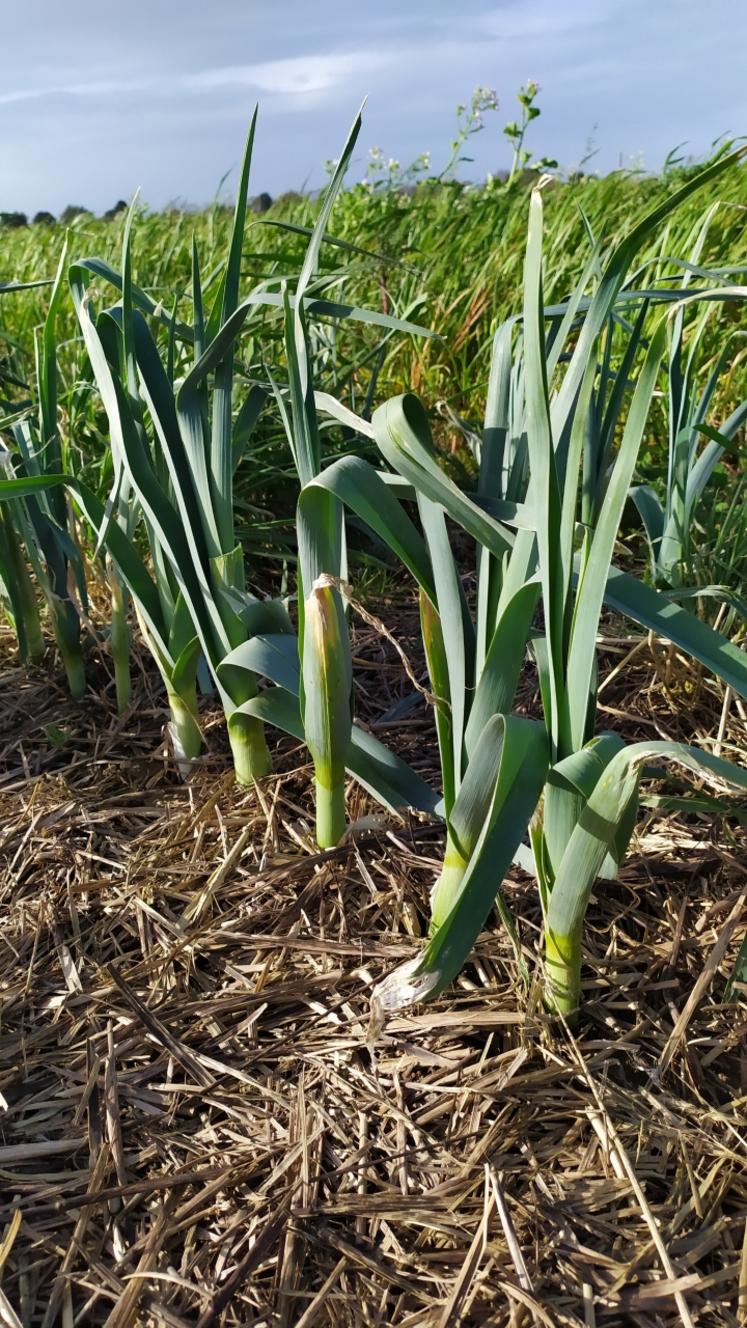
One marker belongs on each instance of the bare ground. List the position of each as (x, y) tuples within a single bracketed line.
[(199, 1124)]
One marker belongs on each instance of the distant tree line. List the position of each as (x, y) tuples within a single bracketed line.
[(13, 220)]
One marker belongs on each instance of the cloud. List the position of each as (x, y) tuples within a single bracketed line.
[(301, 75), (100, 88), (163, 105), (521, 20)]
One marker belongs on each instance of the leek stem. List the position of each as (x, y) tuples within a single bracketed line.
[(330, 814), (251, 757), (184, 730), (563, 980), (66, 626), (445, 896), (120, 647), (448, 886), (28, 625), (75, 669), (31, 632)]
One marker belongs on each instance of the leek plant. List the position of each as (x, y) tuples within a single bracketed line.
[(177, 444), (17, 590), (319, 661), (552, 488), (39, 522), (17, 594), (181, 478), (326, 681), (584, 820), (695, 446), (166, 627)]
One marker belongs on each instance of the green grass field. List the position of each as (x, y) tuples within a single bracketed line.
[(455, 253), (448, 256)]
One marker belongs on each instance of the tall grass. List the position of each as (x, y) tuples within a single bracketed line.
[(449, 254), (457, 249)]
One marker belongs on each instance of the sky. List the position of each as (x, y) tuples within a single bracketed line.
[(99, 99)]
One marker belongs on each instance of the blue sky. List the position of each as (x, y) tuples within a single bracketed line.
[(98, 99)]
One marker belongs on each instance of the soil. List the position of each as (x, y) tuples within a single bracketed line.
[(199, 1123)]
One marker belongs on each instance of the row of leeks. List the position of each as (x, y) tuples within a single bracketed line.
[(176, 440), (556, 461), (36, 529), (176, 446), (695, 447)]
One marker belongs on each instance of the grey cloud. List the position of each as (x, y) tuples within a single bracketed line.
[(98, 100)]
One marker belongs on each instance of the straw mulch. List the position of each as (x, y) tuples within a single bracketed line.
[(199, 1124)]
